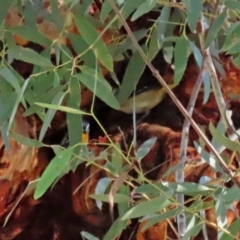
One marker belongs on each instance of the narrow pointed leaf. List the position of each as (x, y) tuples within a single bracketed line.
[(180, 58), (53, 170), (214, 29), (93, 38), (145, 208), (30, 56)]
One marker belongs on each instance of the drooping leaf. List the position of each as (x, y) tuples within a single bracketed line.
[(143, 9), (162, 22), (53, 170), (50, 114), (234, 146), (88, 236), (194, 9), (94, 40), (100, 189), (116, 229), (144, 149), (180, 58), (116, 158), (26, 141), (131, 76), (214, 29)]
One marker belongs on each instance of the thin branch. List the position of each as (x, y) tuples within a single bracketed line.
[(173, 97)]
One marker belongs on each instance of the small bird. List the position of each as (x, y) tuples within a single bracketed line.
[(145, 100), (85, 134)]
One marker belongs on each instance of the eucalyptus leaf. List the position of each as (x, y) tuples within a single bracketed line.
[(143, 9), (149, 207), (98, 88), (144, 149), (214, 29), (93, 38), (5, 6), (234, 146), (180, 58), (30, 56), (131, 76), (53, 170)]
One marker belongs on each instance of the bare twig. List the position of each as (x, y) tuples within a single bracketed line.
[(173, 97)]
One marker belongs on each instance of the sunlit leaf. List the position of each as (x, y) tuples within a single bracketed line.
[(100, 189), (144, 149), (149, 207), (234, 146), (88, 236)]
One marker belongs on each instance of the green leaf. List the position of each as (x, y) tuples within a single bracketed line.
[(118, 198), (53, 170), (131, 76), (50, 114), (88, 236), (230, 195), (154, 45), (197, 54), (162, 22), (74, 121), (101, 187), (207, 87), (5, 6), (26, 141), (160, 217), (98, 88), (145, 208), (180, 58), (60, 108), (234, 146), (194, 9), (115, 230), (144, 149), (94, 40), (11, 79), (143, 9), (116, 158), (233, 229), (80, 47), (232, 4), (208, 158), (214, 29), (105, 10), (31, 34), (128, 8), (30, 56)]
